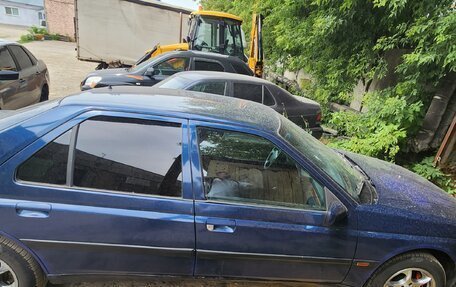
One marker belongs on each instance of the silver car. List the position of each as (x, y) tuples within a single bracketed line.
[(24, 80)]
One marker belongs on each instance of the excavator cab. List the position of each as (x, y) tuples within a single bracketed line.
[(216, 32)]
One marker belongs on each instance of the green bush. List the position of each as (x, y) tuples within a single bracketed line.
[(382, 130), (55, 37), (37, 30), (426, 169), (27, 38)]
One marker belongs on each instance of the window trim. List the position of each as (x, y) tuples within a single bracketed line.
[(199, 176), (268, 206), (79, 119)]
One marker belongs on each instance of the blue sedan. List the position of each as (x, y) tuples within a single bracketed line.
[(131, 181)]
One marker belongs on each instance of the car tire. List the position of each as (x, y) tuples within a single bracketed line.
[(417, 265), (44, 93), (18, 266)]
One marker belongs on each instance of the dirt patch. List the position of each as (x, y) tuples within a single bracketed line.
[(12, 32), (65, 70)]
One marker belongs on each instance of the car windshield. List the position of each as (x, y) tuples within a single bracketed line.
[(332, 163), (135, 68), (219, 36)]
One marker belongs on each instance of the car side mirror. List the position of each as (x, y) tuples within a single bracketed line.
[(150, 72), (8, 75), (336, 210)]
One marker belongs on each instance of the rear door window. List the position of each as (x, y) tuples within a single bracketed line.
[(217, 88), (113, 154), (32, 58), (6, 61), (21, 56), (249, 92), (201, 65), (129, 155), (48, 165)]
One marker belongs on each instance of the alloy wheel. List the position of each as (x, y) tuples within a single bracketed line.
[(411, 277), (7, 276)]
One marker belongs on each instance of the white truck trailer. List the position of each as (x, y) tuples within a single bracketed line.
[(118, 32)]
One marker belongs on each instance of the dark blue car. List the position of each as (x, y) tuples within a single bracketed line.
[(154, 182)]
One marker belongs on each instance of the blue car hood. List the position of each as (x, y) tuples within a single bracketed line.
[(400, 188)]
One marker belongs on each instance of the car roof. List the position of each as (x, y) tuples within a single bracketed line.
[(207, 55), (186, 104), (7, 42), (210, 75)]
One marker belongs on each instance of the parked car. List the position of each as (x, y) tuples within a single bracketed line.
[(302, 111), (158, 182), (24, 80), (159, 68)]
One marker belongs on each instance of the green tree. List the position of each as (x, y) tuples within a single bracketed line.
[(343, 42)]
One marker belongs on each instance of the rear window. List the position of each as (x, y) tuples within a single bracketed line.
[(208, 66), (11, 118)]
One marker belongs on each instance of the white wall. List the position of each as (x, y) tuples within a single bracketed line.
[(27, 16)]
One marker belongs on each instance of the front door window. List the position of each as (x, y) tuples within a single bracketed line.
[(171, 66), (244, 168)]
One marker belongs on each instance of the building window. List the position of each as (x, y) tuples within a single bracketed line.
[(12, 11)]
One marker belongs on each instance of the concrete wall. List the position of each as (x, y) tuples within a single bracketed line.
[(28, 15), (60, 17)]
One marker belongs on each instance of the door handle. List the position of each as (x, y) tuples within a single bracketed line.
[(33, 209), (21, 81), (221, 225)]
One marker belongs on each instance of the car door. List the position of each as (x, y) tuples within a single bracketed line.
[(259, 214), (105, 193), (29, 90), (8, 89)]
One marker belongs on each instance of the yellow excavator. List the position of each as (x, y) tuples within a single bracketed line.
[(218, 32)]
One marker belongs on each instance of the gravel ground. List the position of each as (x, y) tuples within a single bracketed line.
[(65, 71)]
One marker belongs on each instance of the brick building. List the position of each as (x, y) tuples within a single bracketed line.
[(60, 17)]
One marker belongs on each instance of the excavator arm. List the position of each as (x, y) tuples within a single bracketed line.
[(256, 46)]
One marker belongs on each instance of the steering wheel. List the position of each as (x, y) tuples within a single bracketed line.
[(273, 155)]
